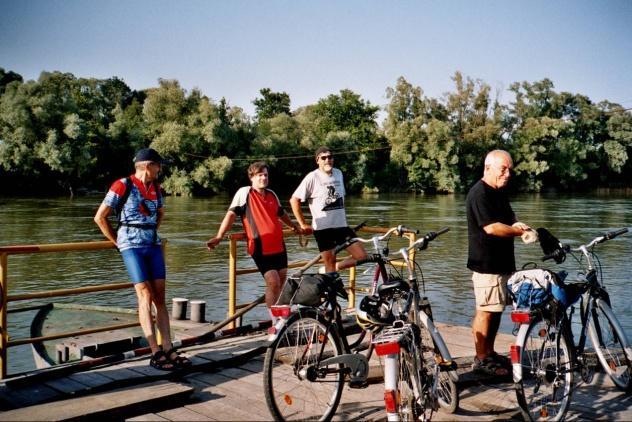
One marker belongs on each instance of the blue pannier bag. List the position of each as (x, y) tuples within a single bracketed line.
[(529, 288)]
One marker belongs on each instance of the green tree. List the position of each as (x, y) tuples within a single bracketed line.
[(271, 104), (7, 77)]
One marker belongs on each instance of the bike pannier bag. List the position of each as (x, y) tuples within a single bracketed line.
[(530, 287), (309, 289)]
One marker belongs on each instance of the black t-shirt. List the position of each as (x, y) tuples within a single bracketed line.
[(489, 254)]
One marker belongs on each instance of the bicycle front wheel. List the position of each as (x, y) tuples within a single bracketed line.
[(447, 391), (610, 344), (544, 390), (295, 387)]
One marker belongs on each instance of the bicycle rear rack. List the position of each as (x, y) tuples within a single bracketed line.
[(390, 339)]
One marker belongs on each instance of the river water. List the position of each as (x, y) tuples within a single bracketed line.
[(194, 273)]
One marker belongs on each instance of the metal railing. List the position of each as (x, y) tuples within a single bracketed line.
[(233, 272), (5, 298)]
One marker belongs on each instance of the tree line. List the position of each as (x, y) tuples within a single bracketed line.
[(61, 133)]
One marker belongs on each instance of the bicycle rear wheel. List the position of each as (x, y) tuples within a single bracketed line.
[(294, 387), (610, 344), (408, 383), (544, 390), (447, 391)]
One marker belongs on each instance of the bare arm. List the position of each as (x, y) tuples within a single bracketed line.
[(504, 230), (288, 222), (295, 203), (101, 218), (227, 223), (159, 217)]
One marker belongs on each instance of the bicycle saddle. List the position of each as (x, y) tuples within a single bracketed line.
[(391, 286)]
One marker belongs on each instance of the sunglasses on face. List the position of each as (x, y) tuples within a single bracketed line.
[(326, 157)]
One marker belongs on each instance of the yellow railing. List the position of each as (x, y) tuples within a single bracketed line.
[(233, 272), (5, 298)]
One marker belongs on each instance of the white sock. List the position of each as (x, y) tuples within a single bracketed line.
[(273, 318)]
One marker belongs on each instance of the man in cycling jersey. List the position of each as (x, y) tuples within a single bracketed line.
[(261, 215), (139, 204), (324, 191), (492, 226)]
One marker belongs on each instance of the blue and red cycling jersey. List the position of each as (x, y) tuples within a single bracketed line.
[(139, 215)]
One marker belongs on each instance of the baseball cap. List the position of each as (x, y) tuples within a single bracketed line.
[(148, 154)]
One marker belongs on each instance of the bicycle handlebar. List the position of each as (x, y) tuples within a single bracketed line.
[(400, 230), (422, 243), (403, 229), (560, 252)]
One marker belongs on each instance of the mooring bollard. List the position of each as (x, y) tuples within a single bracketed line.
[(198, 310), (63, 354), (179, 308)]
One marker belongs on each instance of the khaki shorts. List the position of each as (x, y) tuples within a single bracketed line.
[(490, 291)]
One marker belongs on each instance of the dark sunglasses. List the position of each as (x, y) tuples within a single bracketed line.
[(326, 157)]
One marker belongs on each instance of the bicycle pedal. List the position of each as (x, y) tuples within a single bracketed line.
[(358, 384), (447, 366)]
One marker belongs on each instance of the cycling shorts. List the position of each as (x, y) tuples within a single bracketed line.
[(267, 263), (144, 264), (328, 239)]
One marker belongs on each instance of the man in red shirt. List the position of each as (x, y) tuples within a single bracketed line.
[(261, 215)]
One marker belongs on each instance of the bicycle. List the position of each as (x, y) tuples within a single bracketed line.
[(419, 373), (545, 357), (309, 357)]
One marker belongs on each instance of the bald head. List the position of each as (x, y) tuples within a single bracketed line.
[(498, 166)]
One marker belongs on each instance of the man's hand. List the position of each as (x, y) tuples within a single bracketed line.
[(214, 241), (305, 229), (522, 226)]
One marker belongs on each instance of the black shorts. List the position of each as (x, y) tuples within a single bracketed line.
[(266, 263), (328, 239)]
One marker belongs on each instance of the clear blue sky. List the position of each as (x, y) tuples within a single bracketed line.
[(311, 49)]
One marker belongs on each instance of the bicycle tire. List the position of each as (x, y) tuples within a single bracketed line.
[(545, 385), (290, 395), (408, 380), (610, 344), (447, 390)]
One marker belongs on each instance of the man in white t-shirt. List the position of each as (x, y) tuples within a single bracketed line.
[(324, 191)]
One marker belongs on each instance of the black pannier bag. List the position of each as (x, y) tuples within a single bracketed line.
[(310, 289)]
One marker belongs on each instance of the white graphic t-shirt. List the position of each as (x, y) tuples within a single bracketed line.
[(325, 196)]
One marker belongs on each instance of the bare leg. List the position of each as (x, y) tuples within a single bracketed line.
[(481, 331), (357, 253), (162, 314), (493, 330), (274, 281), (329, 259), (143, 293)]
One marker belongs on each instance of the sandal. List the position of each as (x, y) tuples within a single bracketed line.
[(160, 361), (489, 367), (501, 359), (178, 361)]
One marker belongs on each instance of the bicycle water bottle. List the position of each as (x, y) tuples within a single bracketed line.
[(424, 306)]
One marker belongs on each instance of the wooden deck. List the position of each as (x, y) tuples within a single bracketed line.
[(226, 384)]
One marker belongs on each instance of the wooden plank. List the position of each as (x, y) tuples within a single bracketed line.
[(66, 385), (182, 414), (26, 396), (148, 417), (91, 379), (113, 404)]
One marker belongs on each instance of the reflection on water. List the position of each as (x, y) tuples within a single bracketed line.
[(195, 273)]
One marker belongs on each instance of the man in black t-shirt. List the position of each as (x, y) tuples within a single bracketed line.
[(492, 225)]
